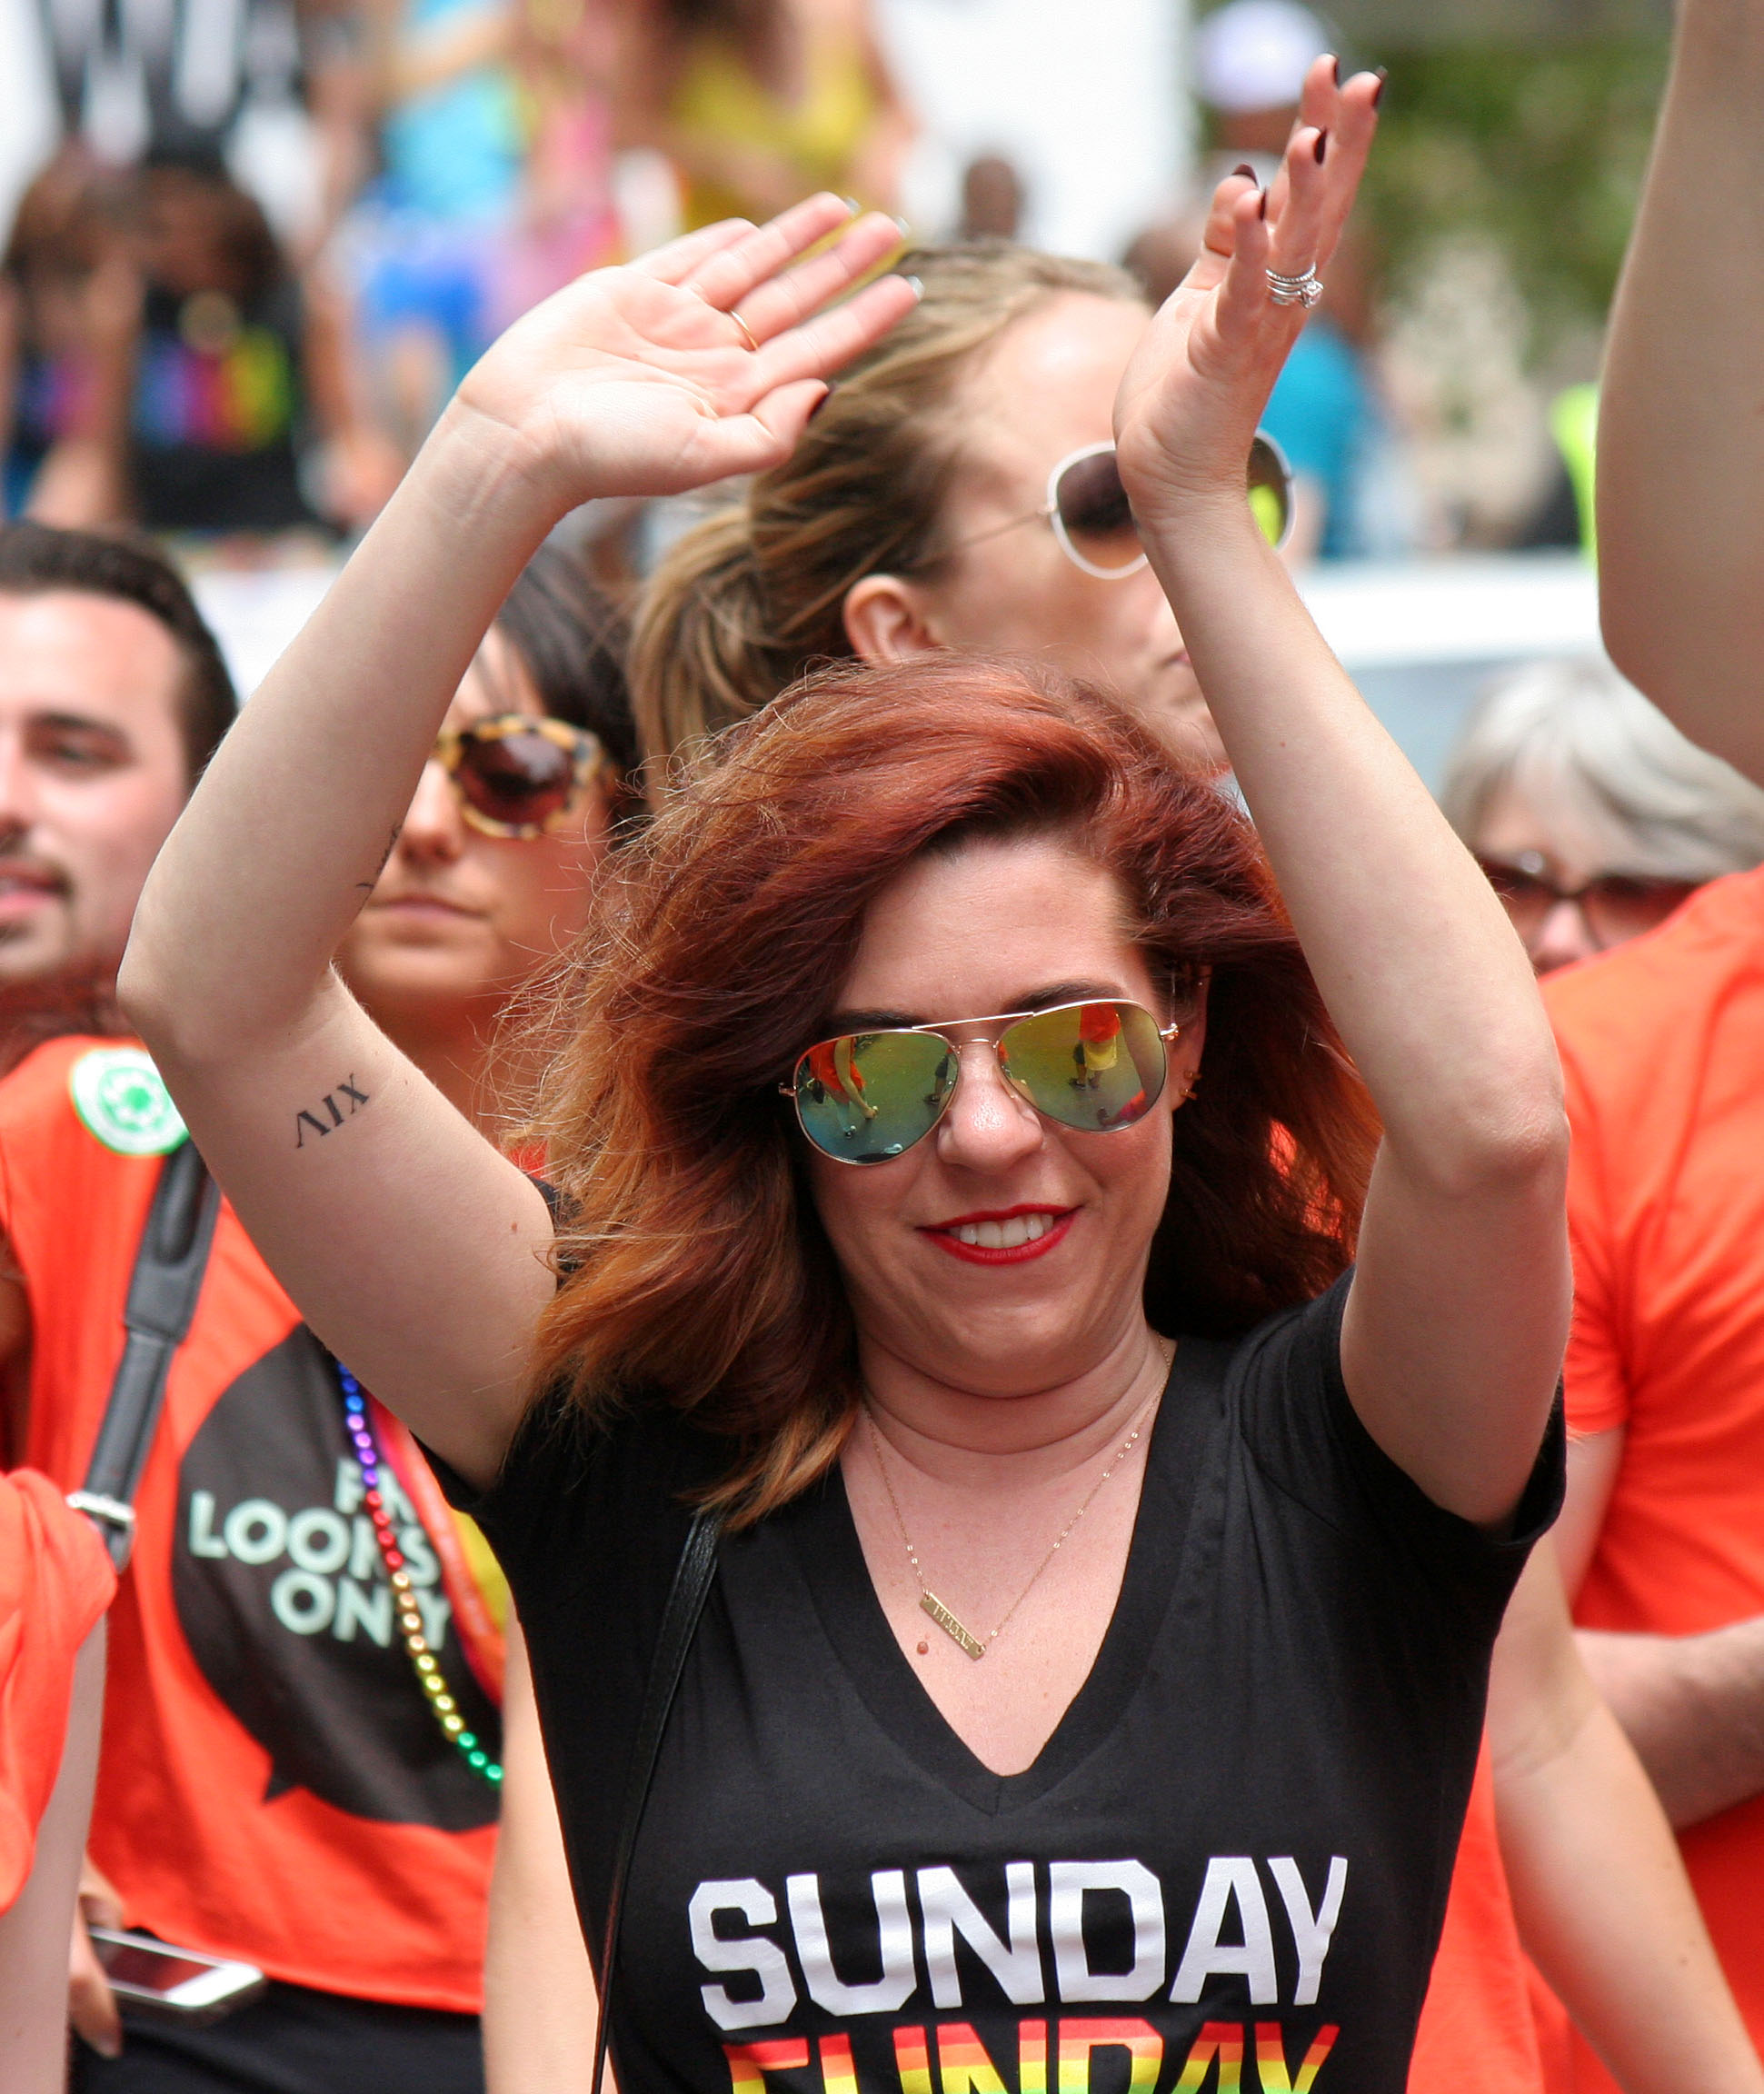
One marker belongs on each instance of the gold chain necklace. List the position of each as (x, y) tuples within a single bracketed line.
[(946, 1620)]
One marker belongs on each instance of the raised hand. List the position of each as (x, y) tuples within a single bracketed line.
[(1188, 406), (699, 361)]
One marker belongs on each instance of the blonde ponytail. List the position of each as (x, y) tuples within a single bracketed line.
[(749, 600)]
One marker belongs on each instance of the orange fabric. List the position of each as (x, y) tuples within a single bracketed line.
[(1477, 2035), (193, 1822), (55, 1580), (1662, 1043)]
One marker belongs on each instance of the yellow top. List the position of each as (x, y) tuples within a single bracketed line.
[(721, 102)]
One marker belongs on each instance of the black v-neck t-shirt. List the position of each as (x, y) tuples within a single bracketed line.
[(1228, 1866)]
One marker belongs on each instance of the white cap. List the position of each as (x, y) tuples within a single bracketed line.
[(1255, 54)]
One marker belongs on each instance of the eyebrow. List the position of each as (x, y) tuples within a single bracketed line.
[(882, 1021), (76, 722)]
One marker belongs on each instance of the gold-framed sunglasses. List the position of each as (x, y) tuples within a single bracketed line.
[(868, 1097), (518, 775), (1092, 521)]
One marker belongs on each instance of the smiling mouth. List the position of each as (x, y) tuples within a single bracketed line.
[(1003, 1239)]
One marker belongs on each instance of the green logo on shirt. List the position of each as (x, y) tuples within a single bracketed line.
[(122, 1099)]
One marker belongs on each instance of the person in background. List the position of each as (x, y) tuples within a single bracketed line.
[(908, 521), (68, 295), (1662, 1041), (172, 370), (1590, 811), (56, 1581), (757, 101), (275, 1757), (421, 250), (240, 399), (113, 697)]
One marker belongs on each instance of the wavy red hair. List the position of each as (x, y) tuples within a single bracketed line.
[(696, 1272)]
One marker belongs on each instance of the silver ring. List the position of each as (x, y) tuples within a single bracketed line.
[(1305, 289)]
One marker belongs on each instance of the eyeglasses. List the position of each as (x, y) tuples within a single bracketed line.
[(1093, 519), (1616, 905), (517, 775), (867, 1097)]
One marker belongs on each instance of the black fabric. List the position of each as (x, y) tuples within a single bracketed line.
[(293, 2040), (691, 1588), (831, 1891)]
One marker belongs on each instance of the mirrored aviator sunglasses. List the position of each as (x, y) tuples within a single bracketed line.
[(518, 775), (1091, 518), (868, 1097)]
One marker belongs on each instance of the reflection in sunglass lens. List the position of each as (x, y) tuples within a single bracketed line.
[(519, 779), (1094, 507), (868, 1096), (1270, 490), (1095, 1066)]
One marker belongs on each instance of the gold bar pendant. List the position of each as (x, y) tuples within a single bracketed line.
[(951, 1627)]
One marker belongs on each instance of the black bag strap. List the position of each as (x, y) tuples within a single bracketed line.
[(691, 1581), (162, 1299)]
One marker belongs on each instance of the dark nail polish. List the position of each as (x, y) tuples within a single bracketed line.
[(1377, 91), (1262, 205), (1335, 69), (1320, 147), (1243, 167)]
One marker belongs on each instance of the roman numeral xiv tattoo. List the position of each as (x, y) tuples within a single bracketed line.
[(310, 1122)]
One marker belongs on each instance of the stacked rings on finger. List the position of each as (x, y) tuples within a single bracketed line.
[(1305, 289)]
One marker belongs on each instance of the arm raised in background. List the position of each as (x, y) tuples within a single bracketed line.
[(1603, 1904), (1459, 1312), (413, 1248), (540, 2007), (1681, 415)]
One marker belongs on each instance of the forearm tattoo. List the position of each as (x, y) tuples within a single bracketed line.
[(331, 1114)]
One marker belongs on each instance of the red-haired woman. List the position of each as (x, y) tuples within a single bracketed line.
[(1054, 1707)]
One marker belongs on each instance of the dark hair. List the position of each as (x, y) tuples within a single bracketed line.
[(694, 1270), (36, 557), (572, 642), (245, 247)]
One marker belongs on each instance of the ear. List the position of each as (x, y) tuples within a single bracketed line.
[(1186, 1048), (888, 619)]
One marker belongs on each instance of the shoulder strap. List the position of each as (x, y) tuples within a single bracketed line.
[(162, 1299), (691, 1582)]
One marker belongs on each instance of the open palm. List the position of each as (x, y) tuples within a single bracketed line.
[(641, 379), (1187, 410)]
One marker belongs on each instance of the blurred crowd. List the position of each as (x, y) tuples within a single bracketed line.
[(274, 234)]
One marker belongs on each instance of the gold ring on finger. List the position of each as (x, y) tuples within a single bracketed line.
[(747, 333)]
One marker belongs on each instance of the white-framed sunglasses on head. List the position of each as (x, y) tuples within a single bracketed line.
[(1092, 521)]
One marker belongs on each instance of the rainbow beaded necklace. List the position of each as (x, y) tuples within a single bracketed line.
[(403, 1592)]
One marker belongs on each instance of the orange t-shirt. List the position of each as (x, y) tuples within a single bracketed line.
[(55, 1580), (1662, 1045), (273, 1785), (1477, 2035)]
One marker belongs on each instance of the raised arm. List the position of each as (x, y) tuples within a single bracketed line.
[(1680, 433), (1603, 1904), (1459, 1311), (412, 1247)]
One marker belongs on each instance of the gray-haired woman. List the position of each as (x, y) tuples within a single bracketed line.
[(1591, 813)]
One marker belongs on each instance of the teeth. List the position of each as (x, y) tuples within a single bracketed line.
[(1009, 1235)]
